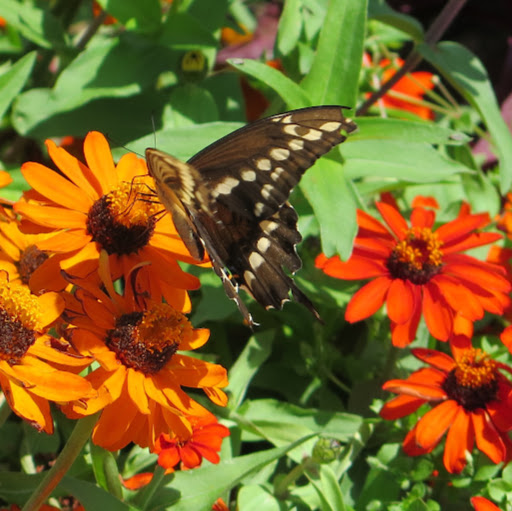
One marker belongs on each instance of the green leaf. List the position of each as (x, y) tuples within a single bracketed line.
[(198, 489), (14, 79), (37, 25), (190, 104), (326, 188), (254, 354), (469, 77), (141, 16), (290, 27), (395, 160), (184, 32), (377, 128), (328, 489), (379, 10), (93, 74), (333, 78), (288, 90), (253, 497)]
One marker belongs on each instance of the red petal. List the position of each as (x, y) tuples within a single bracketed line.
[(437, 313), (461, 227), (400, 301), (421, 217), (367, 300), (488, 440), (400, 407), (460, 439), (393, 218), (435, 358), (354, 269), (433, 425)]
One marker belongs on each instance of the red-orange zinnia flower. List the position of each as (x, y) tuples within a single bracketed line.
[(408, 92), (483, 504), (421, 271), (205, 442), (471, 399), (220, 505)]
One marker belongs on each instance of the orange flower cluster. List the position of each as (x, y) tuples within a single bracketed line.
[(90, 279)]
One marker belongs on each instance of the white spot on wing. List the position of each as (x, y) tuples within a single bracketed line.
[(276, 173), (225, 187), (248, 175), (331, 126), (279, 153), (268, 226), (266, 191), (258, 208), (296, 144), (312, 135), (264, 164), (263, 244), (256, 260), (249, 277)]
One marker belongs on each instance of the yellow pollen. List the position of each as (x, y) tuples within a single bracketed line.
[(421, 246), (475, 369), (21, 305), (162, 325), (129, 205)]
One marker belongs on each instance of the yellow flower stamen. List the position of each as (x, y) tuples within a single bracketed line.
[(128, 205), (21, 305), (421, 246), (418, 257), (475, 369)]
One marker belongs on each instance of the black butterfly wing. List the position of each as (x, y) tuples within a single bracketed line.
[(232, 196), (253, 170)]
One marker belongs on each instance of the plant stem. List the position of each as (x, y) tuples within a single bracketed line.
[(76, 441), (434, 33)]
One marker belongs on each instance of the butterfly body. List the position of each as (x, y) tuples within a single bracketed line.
[(231, 200)]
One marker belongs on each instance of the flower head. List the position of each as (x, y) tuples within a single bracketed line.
[(407, 94), (29, 376), (138, 344), (103, 207), (204, 442), (421, 271), (471, 400)]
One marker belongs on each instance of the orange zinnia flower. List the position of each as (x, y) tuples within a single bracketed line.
[(137, 343), (408, 91), (103, 206), (23, 261), (421, 271), (483, 504), (204, 442), (472, 402), (220, 505), (27, 377)]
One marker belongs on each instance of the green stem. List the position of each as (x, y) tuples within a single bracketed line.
[(434, 33), (142, 499), (281, 489), (72, 449)]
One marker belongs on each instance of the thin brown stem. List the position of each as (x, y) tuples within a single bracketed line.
[(434, 33)]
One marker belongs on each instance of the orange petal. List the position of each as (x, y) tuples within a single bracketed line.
[(460, 439), (216, 395), (99, 160), (454, 231), (506, 338), (421, 217), (135, 386), (435, 358), (433, 425), (50, 216), (65, 241), (400, 301), (199, 338), (76, 171), (425, 391), (55, 187), (355, 268), (52, 306), (482, 504), (368, 300)]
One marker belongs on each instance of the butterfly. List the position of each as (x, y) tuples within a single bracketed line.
[(230, 200)]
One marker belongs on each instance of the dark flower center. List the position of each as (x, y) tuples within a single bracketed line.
[(473, 383), (115, 230), (30, 260), (15, 338), (417, 258), (146, 341)]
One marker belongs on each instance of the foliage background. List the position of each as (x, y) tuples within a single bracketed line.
[(292, 380)]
